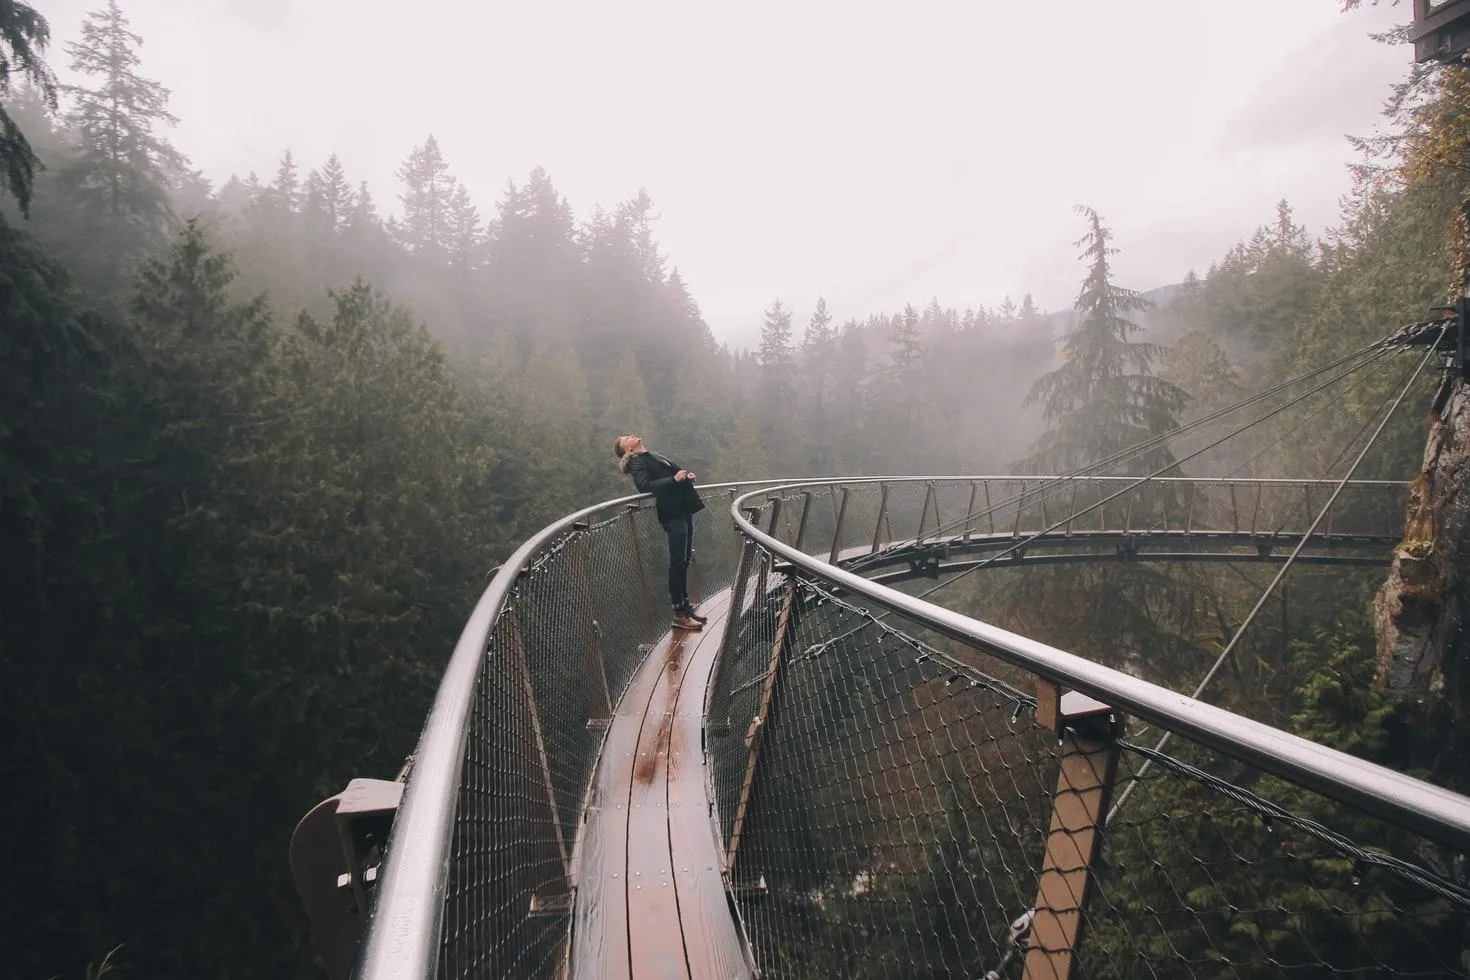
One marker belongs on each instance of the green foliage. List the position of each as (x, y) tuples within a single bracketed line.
[(1104, 397), (1176, 880), (24, 35)]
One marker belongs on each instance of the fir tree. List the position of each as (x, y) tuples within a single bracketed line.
[(122, 170), (1104, 397), (427, 190), (24, 35)]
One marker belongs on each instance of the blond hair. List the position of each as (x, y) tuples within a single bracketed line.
[(624, 458)]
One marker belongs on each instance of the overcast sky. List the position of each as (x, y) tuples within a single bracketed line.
[(876, 153)]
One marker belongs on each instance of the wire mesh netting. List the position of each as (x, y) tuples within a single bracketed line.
[(889, 812), (1211, 869), (889, 807), (886, 799), (565, 647)]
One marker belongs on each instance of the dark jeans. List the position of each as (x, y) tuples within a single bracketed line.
[(681, 548)]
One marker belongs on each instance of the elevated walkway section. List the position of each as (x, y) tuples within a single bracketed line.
[(651, 900)]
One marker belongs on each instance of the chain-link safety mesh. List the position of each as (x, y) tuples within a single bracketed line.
[(886, 800), (564, 648), (891, 806)]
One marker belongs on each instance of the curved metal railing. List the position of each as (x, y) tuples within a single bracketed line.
[(482, 853)]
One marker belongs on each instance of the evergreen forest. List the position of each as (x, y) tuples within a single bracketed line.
[(261, 442)]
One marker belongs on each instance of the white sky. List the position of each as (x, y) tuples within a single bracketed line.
[(876, 153)]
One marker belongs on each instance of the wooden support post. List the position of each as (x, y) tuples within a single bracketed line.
[(970, 508), (756, 734), (763, 576), (836, 551), (882, 517), (806, 506), (1234, 511), (924, 514), (645, 597), (516, 651), (737, 595), (1089, 733), (594, 680), (989, 508), (1020, 506)]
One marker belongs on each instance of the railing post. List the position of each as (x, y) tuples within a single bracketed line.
[(1089, 733), (517, 651), (599, 703), (737, 593), (882, 516), (806, 506), (755, 735), (970, 508), (763, 576), (645, 598), (924, 513), (836, 551)]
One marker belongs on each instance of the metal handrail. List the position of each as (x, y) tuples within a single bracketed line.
[(1433, 812), (402, 937)]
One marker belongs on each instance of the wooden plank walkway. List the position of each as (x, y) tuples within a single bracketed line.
[(651, 900)]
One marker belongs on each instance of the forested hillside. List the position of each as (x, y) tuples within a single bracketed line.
[(261, 442)]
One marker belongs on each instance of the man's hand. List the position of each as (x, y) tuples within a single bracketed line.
[(683, 475)]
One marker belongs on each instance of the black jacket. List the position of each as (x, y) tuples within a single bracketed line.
[(654, 474)]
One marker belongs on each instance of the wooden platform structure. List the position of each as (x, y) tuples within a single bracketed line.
[(651, 902)]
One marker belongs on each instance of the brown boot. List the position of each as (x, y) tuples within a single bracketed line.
[(682, 622), (687, 611)]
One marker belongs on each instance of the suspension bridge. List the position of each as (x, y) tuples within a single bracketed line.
[(839, 776)]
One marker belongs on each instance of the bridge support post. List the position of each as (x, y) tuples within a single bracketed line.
[(763, 576), (645, 600), (929, 501), (882, 519), (599, 703), (730, 641), (836, 551), (806, 506), (756, 735), (1089, 731), (558, 896)]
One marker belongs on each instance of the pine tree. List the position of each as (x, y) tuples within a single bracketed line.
[(24, 36), (463, 240), (122, 171), (1104, 397), (428, 188), (777, 360)]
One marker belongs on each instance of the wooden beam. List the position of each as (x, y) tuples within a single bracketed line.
[(756, 735), (1089, 765)]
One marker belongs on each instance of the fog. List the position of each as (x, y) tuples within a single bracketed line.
[(837, 149)]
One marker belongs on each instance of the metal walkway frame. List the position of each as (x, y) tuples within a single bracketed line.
[(404, 934)]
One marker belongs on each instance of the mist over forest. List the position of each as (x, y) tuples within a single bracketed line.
[(263, 439)]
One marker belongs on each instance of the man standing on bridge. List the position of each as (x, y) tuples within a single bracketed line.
[(676, 502)]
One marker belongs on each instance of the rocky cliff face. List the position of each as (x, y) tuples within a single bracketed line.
[(1423, 607)]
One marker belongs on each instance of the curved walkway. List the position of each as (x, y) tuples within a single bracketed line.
[(651, 901)]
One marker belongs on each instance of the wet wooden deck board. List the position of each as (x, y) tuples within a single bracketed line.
[(637, 914), (711, 943)]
